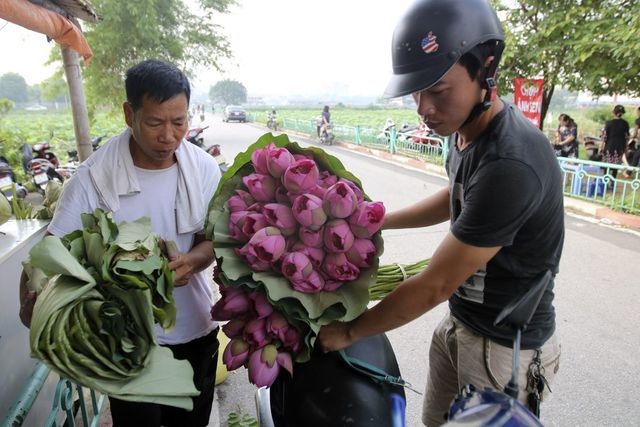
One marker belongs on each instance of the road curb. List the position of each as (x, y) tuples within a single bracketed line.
[(582, 207)]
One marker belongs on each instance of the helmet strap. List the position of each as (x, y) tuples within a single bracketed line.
[(489, 84)]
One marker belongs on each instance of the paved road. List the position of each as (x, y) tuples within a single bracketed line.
[(597, 301)]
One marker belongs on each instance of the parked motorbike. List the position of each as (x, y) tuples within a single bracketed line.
[(195, 137), (388, 127), (214, 150), (326, 134), (359, 386), (73, 154), (501, 408), (42, 167), (272, 122), (8, 181)]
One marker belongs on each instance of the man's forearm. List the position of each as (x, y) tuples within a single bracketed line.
[(201, 255)]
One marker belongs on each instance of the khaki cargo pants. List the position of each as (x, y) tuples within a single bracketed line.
[(458, 356)]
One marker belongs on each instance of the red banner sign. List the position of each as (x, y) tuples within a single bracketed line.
[(528, 98)]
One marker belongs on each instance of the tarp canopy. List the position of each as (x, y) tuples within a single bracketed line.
[(54, 25)]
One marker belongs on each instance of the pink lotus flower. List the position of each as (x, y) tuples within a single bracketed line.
[(356, 190), (255, 333), (264, 365), (362, 253), (340, 201), (261, 305), (236, 222), (261, 187), (307, 210), (233, 328), (318, 191), (301, 176), (236, 353), (338, 236), (298, 268), (280, 329), (280, 216), (253, 222), (332, 285), (311, 238), (326, 179), (240, 201), (259, 159), (338, 267), (267, 245), (252, 261), (282, 195), (278, 160), (315, 255), (367, 219), (233, 302)]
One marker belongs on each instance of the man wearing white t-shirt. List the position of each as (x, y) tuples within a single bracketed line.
[(149, 170)]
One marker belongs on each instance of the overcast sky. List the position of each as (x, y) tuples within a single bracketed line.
[(281, 47)]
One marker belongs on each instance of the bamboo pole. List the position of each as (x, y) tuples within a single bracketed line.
[(78, 103)]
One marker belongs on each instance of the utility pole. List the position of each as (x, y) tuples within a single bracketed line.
[(78, 103)]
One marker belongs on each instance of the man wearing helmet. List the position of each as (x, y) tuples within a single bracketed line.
[(504, 201)]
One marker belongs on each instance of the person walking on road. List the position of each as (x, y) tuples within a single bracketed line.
[(504, 201), (150, 170)]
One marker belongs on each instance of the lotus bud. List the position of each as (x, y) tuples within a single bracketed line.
[(367, 219), (236, 221), (338, 236), (338, 267), (255, 333), (315, 255), (326, 179), (234, 302), (356, 190), (233, 328), (253, 222), (281, 195), (301, 176), (264, 365), (252, 261), (277, 325), (313, 283), (340, 201), (259, 159), (311, 238), (267, 245), (236, 353), (280, 216), (261, 305), (240, 201), (307, 210), (362, 253), (278, 160), (261, 187)]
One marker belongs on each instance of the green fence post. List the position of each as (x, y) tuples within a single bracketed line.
[(392, 140), (445, 149), (357, 135)]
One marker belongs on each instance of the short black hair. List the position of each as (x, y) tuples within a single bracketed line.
[(156, 79), (473, 61)]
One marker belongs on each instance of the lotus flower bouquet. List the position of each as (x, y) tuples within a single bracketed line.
[(297, 246)]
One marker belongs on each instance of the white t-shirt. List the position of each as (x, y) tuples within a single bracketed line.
[(156, 200)]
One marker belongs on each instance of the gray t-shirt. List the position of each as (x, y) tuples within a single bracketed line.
[(506, 190)]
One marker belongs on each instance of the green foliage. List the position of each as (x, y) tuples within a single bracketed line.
[(14, 87), (20, 210), (577, 44), (5, 106), (238, 419), (54, 89), (132, 31), (228, 92)]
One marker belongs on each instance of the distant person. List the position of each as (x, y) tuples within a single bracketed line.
[(325, 119), (633, 149), (614, 141), (566, 137)]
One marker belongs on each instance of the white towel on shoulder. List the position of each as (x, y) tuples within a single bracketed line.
[(113, 174)]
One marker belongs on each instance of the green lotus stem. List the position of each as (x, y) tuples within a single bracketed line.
[(391, 275)]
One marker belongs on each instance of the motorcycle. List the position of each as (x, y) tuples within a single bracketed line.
[(73, 154), (272, 122), (364, 383), (494, 408), (194, 136), (214, 150), (388, 127), (43, 166), (8, 181), (326, 134)]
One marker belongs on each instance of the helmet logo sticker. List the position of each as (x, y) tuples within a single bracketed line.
[(429, 44)]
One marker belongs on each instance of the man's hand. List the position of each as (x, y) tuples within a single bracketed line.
[(183, 269), (335, 336), (27, 301)]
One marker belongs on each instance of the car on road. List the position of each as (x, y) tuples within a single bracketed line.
[(234, 113)]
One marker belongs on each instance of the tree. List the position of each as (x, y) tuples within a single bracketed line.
[(54, 89), (577, 44), (14, 87), (5, 106), (229, 92), (130, 32)]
